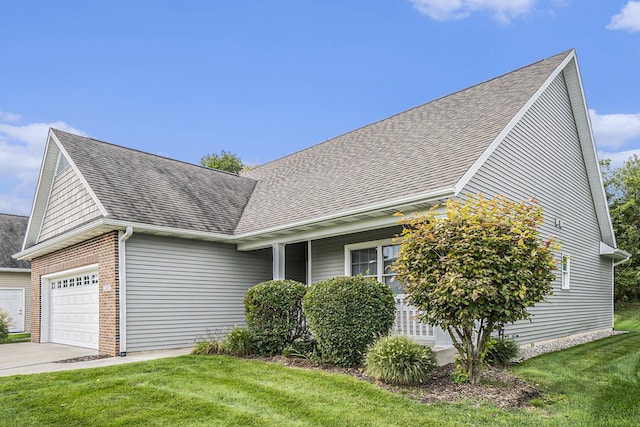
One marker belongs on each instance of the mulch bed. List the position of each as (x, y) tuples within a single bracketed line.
[(83, 358), (497, 386)]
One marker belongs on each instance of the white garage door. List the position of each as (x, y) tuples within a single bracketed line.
[(74, 310), (12, 302)]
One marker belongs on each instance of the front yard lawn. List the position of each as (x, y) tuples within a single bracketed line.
[(594, 384), (221, 390)]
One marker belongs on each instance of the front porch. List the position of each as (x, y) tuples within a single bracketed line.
[(431, 336), (295, 261)]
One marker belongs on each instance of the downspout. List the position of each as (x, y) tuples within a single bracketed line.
[(122, 292)]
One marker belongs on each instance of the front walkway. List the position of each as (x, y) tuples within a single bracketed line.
[(30, 358)]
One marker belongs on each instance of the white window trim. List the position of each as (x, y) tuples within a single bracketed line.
[(565, 280), (378, 244)]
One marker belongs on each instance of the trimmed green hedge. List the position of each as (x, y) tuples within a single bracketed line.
[(273, 311), (347, 314)]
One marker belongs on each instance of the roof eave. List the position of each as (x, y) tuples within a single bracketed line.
[(105, 225), (14, 270), (364, 218), (607, 251)]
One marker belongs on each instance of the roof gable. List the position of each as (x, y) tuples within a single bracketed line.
[(419, 151)]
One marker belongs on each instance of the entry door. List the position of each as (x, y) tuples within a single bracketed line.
[(12, 301)]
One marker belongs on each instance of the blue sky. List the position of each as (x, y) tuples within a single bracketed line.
[(264, 79)]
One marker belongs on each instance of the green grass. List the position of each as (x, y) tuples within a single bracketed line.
[(627, 316), (222, 390), (24, 337), (595, 384)]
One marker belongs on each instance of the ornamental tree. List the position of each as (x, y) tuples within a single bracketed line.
[(474, 269)]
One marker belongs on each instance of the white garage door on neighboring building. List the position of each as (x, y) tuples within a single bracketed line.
[(12, 302), (74, 308)]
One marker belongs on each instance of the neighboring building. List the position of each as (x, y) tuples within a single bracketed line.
[(15, 276), (132, 251)]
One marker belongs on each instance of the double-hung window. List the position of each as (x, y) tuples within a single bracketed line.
[(373, 259), (565, 269)]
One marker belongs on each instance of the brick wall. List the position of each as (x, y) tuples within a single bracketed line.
[(102, 250)]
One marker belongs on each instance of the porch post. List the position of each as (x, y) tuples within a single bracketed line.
[(278, 261)]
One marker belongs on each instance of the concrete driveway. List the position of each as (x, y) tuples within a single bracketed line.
[(30, 358)]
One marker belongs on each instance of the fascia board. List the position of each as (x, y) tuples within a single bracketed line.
[(167, 231), (39, 198), (327, 231), (430, 196), (614, 253), (14, 270), (84, 182), (104, 225), (589, 152), (44, 247), (333, 231), (462, 183)]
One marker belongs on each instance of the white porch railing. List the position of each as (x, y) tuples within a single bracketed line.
[(406, 324)]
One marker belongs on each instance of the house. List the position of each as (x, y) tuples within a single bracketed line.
[(131, 251), (15, 276)]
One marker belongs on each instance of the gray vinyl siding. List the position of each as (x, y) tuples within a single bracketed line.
[(9, 279), (542, 157), (327, 255), (70, 205), (178, 289)]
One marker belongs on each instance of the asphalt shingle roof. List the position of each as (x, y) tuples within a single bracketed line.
[(426, 148), (12, 230), (141, 187)]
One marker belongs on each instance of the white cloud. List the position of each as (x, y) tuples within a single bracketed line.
[(614, 130), (628, 19), (443, 10), (21, 150), (9, 117), (618, 157)]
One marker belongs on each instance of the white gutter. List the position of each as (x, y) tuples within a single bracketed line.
[(14, 270), (122, 288), (622, 261), (427, 197), (614, 253)]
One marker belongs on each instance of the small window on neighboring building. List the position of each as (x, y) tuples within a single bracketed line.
[(566, 272)]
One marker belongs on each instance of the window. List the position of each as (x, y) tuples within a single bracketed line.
[(566, 272), (62, 164), (373, 259)]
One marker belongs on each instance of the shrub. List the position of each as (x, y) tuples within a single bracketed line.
[(346, 315), (238, 342), (501, 351), (305, 349), (5, 321), (274, 315), (399, 361), (209, 345)]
